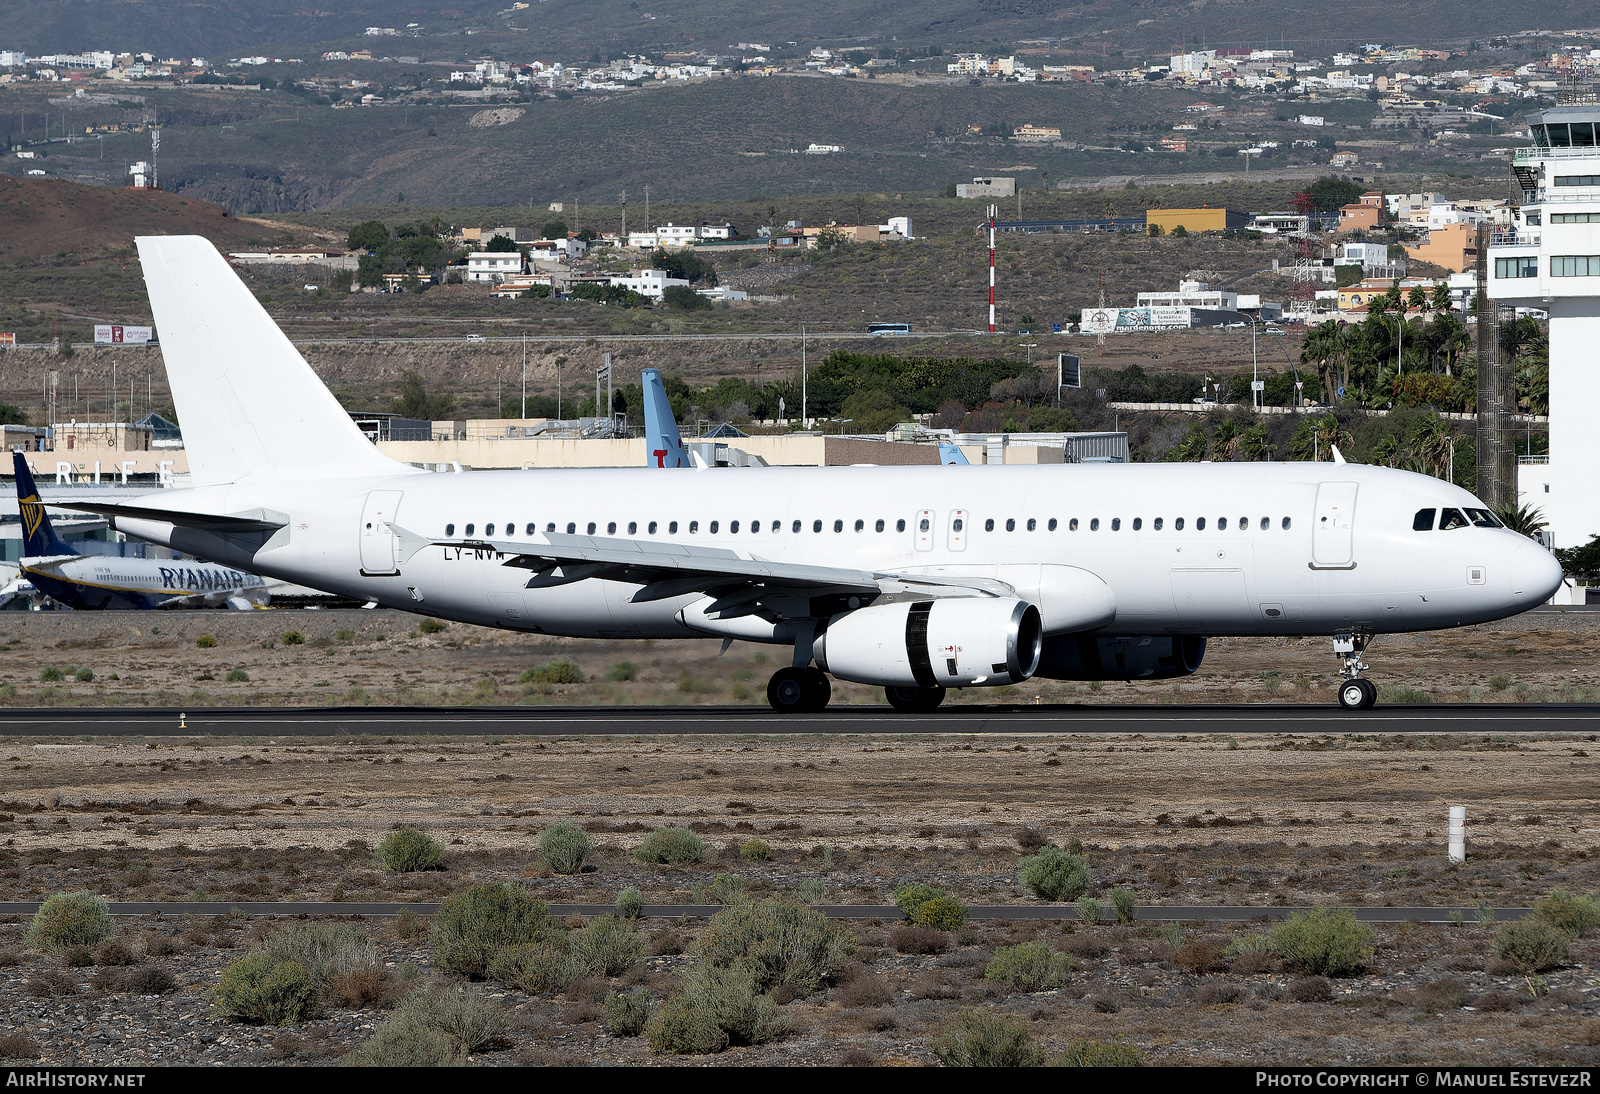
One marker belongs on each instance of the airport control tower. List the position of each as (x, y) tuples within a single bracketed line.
[(1551, 261)]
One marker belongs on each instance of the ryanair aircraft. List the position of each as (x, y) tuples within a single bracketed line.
[(914, 579), (95, 582)]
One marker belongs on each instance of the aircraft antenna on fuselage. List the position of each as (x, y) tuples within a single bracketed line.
[(249, 403)]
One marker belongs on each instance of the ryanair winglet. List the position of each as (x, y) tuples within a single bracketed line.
[(39, 539), (663, 444)]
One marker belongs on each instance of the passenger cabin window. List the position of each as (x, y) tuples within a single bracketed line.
[(1094, 524), (816, 526), (1222, 524), (488, 529), (838, 526), (449, 529), (1177, 525), (988, 525), (1244, 524), (633, 527), (777, 526), (1199, 524), (1032, 524), (1266, 522), (1011, 524), (1286, 523), (652, 528), (551, 527), (733, 528), (796, 527), (860, 525), (611, 528), (712, 528), (957, 524), (900, 525), (1453, 518), (1051, 527), (1138, 523), (572, 528), (469, 529), (1116, 524), (672, 528), (532, 528), (694, 526), (591, 527), (1072, 525), (879, 525)]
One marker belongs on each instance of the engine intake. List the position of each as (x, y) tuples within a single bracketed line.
[(1090, 657), (949, 642)]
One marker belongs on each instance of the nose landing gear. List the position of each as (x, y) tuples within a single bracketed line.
[(1355, 693)]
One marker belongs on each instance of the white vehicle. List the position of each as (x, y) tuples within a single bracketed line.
[(916, 579)]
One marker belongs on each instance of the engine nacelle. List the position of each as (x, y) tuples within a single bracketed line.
[(1089, 657), (953, 642)]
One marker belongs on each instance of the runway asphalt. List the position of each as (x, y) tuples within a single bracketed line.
[(1156, 914), (635, 721)]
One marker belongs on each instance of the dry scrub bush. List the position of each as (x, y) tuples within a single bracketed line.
[(473, 925), (1447, 993), (77, 957), (324, 950), (1029, 967), (1310, 989), (70, 919), (1197, 957), (1572, 915), (134, 980), (18, 1046), (714, 1008), (1085, 1053), (1053, 874), (919, 940), (942, 913), (1531, 945), (555, 672), (777, 941), (115, 952), (630, 903), (979, 1039), (409, 850), (565, 847), (52, 984), (607, 946), (433, 1026), (671, 846), (864, 990), (537, 967), (262, 989), (755, 850), (1324, 942), (913, 895), (1217, 992), (626, 1015)]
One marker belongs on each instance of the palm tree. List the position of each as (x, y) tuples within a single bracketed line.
[(1192, 449), (1441, 297), (1417, 298), (1320, 347), (1254, 444), (1525, 520), (1225, 439), (1386, 450), (1433, 445), (1394, 299)]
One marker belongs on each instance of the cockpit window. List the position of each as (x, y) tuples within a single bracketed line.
[(1452, 518), (1423, 521), (1483, 518)]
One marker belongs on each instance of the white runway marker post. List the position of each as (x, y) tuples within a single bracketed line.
[(1458, 833)]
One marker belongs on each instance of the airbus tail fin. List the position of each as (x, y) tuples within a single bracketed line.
[(663, 445), (951, 454), (249, 403), (39, 538)]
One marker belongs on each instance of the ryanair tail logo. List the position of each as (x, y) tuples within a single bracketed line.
[(32, 514)]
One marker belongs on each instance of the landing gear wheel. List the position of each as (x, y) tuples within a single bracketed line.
[(788, 691), (1353, 694), (818, 690), (1371, 691), (914, 700)]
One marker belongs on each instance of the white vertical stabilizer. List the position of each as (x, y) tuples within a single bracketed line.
[(248, 403)]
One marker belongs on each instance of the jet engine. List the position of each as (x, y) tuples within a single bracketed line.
[(1090, 657), (949, 642)]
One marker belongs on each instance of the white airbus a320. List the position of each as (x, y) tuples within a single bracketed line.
[(916, 579)]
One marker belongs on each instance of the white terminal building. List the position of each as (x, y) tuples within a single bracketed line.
[(1551, 261)]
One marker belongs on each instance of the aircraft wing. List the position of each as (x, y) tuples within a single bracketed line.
[(211, 522), (666, 570)]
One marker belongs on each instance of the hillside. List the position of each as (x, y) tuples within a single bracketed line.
[(53, 218), (457, 28)]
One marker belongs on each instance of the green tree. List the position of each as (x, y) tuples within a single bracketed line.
[(12, 415), (554, 229), (369, 235), (1441, 297), (501, 245), (1417, 299), (415, 401), (685, 265), (684, 298), (873, 411), (369, 271), (1331, 192)]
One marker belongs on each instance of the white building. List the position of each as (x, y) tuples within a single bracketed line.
[(493, 266), (823, 149), (899, 226), (992, 187), (682, 235), (556, 249), (644, 240), (10, 58), (651, 283), (1311, 119), (1373, 258), (1191, 294), (1554, 264), (716, 231)]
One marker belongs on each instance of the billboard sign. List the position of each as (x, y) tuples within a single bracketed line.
[(1099, 321), (1068, 372), (8, 339), (109, 334)]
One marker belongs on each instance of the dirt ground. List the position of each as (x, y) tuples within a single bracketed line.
[(380, 657), (1268, 820)]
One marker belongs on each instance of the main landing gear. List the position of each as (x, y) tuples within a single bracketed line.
[(799, 690), (1355, 693), (914, 700)]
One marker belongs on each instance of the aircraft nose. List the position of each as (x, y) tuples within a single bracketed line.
[(1535, 575)]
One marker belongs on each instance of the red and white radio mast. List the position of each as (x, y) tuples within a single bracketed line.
[(993, 210)]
